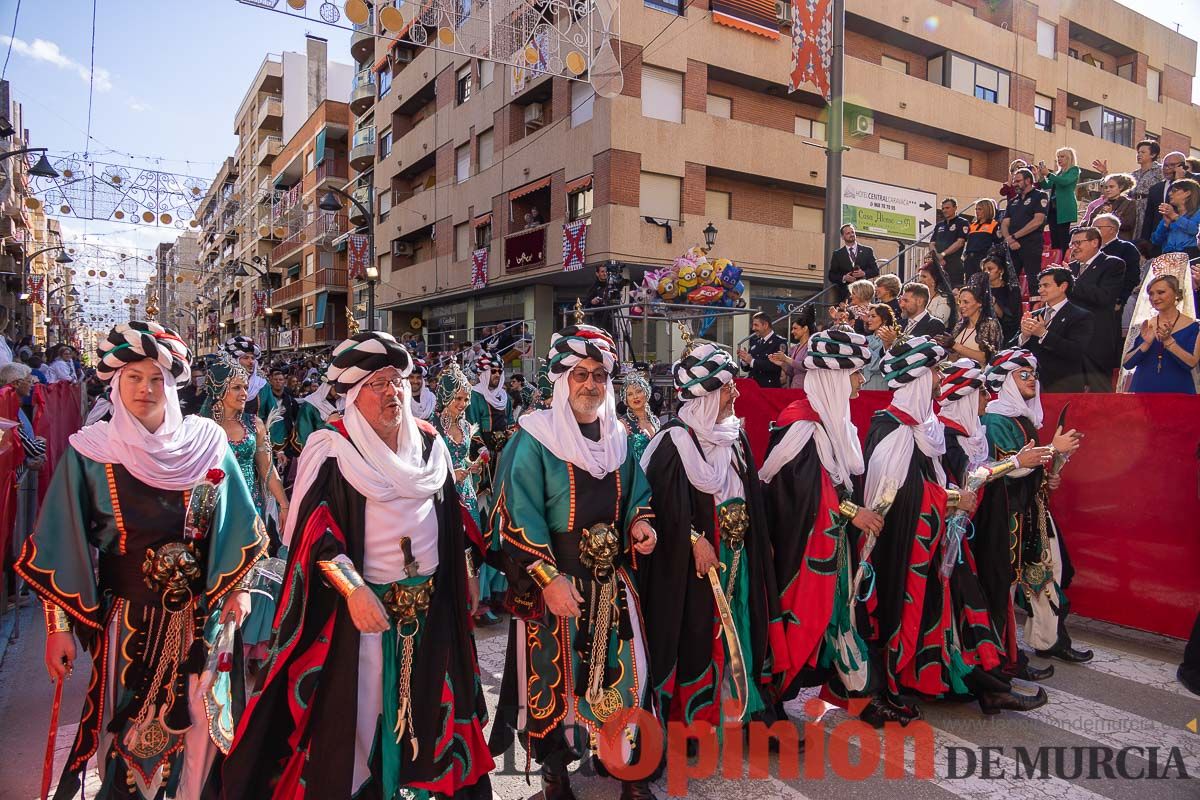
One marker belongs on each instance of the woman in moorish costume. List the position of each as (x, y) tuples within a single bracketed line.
[(177, 537), (639, 421)]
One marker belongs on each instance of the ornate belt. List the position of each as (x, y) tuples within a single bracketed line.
[(599, 545), (733, 521), (405, 602), (173, 571)]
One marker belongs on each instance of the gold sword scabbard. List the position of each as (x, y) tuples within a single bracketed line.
[(737, 662)]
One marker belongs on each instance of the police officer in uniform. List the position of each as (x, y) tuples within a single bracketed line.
[(755, 357), (1023, 223), (949, 237)]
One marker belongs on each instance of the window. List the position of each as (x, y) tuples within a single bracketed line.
[(1043, 112), (894, 64), (462, 241), (1072, 52), (1047, 33), (462, 163), (487, 73), (1153, 81), (385, 203), (810, 128), (385, 80), (310, 160), (310, 263), (462, 85), (659, 195), (716, 204), (310, 316), (579, 204), (385, 143), (662, 94), (1126, 70), (718, 106), (483, 235), (583, 98), (808, 219), (1116, 128), (970, 77), (958, 164), (487, 143), (669, 6), (894, 149)]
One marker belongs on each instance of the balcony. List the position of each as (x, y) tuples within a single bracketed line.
[(362, 149), (322, 230), (328, 279), (525, 250), (270, 113), (362, 96), (362, 42), (331, 333), (270, 147), (363, 195), (416, 144), (327, 170)]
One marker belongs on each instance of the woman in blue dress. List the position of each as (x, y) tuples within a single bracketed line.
[(467, 456), (1165, 354), (638, 420), (228, 390)]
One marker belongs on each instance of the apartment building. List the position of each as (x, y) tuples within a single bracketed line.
[(454, 153)]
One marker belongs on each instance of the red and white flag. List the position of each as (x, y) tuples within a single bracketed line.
[(356, 256), (479, 268), (574, 245), (812, 44)]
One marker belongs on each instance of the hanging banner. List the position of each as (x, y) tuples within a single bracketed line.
[(356, 256), (36, 283), (479, 268), (260, 302), (812, 44), (574, 245), (212, 323)]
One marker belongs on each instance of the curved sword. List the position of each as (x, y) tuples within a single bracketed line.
[(737, 662)]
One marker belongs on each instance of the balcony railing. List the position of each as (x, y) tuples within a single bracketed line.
[(270, 147), (323, 229), (270, 107), (363, 136), (332, 169), (323, 279)]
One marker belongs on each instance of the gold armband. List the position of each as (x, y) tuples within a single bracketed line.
[(472, 572), (543, 574), (1000, 468), (953, 496), (57, 620), (847, 509), (695, 537), (341, 575)]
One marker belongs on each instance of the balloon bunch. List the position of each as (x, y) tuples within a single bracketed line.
[(695, 280)]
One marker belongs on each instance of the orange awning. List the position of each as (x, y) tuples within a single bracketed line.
[(528, 188), (579, 184), (483, 219)]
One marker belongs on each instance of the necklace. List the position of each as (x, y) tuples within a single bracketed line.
[(1163, 344)]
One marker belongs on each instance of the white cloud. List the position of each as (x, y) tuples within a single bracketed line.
[(48, 52), (137, 105)]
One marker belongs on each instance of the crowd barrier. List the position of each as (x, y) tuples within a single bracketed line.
[(11, 456), (57, 413), (1128, 505)]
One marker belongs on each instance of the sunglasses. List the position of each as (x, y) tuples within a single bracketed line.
[(581, 375), (1026, 374)]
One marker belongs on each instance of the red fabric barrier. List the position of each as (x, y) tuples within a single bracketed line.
[(56, 415), (11, 456), (1128, 505)]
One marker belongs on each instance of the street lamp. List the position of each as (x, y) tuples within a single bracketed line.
[(710, 236), (263, 263), (41, 169), (61, 258), (330, 202)]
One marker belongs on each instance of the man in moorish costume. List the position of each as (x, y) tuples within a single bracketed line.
[(707, 504), (1017, 543), (812, 459), (491, 407), (158, 496), (571, 511), (321, 406), (372, 689), (424, 403), (246, 352)]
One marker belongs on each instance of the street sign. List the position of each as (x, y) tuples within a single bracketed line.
[(881, 209)]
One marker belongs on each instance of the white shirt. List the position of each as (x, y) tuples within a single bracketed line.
[(60, 371), (1053, 310), (912, 321), (383, 560), (5, 352)]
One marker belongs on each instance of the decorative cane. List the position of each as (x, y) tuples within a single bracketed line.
[(48, 763)]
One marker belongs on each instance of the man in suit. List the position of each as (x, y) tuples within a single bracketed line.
[(918, 321), (1174, 169), (850, 263), (1109, 225), (1058, 334), (1098, 281), (755, 357)]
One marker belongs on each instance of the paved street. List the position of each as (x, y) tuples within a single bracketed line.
[(1127, 697)]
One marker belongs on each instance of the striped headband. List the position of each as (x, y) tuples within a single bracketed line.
[(1005, 362), (963, 377), (837, 349), (363, 354), (910, 360), (139, 341), (706, 368), (575, 343), (488, 361), (241, 346)]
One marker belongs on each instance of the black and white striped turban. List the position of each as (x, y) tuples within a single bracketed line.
[(1007, 361), (241, 346), (488, 361), (574, 343), (705, 368), (421, 367), (910, 360), (355, 359), (837, 349), (138, 341), (962, 377)]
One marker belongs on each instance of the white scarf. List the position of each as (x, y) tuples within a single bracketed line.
[(496, 398), (102, 407), (891, 457), (174, 457), (965, 412), (374, 470), (320, 400), (1010, 403), (837, 441), (712, 471), (558, 431), (423, 408), (255, 384)]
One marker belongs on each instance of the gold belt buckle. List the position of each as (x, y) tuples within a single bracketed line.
[(405, 602), (734, 521), (172, 570), (598, 548)]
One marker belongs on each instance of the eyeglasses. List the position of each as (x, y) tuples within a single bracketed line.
[(581, 375), (378, 387), (1173, 166), (1027, 374), (1078, 242)]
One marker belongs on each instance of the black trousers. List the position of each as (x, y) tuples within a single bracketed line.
[(1028, 259)]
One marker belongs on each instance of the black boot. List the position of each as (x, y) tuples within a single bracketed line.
[(1063, 651), (636, 790), (995, 702), (1028, 672), (882, 710), (556, 785)]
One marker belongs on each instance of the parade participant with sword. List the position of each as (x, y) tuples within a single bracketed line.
[(707, 503)]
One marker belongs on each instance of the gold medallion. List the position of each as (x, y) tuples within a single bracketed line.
[(610, 703), (149, 740)]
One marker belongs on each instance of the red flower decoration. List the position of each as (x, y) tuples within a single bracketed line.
[(485, 456), (214, 475)]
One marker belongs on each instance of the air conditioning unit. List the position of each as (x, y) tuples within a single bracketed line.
[(533, 115), (783, 11), (863, 125), (402, 249), (403, 56)]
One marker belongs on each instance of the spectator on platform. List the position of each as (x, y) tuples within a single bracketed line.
[(881, 334), (20, 377), (983, 234), (887, 290), (941, 295), (914, 302), (1164, 355), (1112, 244), (755, 357), (1060, 185), (1023, 223), (792, 362), (977, 334), (1009, 189), (851, 263), (1006, 296), (862, 294), (1174, 169), (62, 364), (1149, 172), (1115, 200), (1098, 281), (949, 239), (6, 351), (1176, 231), (38, 365), (1058, 333)]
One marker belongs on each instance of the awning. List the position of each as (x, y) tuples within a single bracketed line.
[(319, 322), (294, 271), (320, 146), (752, 16), (529, 188), (483, 219), (579, 184)]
